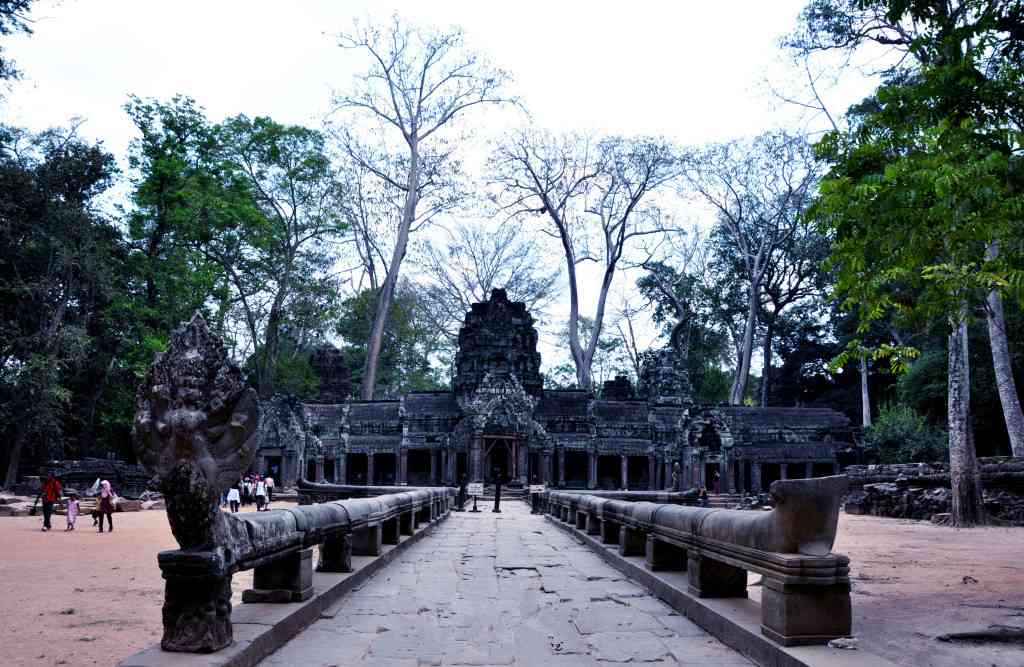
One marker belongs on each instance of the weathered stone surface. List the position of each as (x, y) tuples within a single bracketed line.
[(412, 613)]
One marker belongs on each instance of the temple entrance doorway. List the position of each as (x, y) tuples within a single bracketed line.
[(533, 466), (609, 472), (712, 479), (273, 467), (500, 455), (355, 469), (384, 469), (461, 466), (418, 471), (329, 470), (770, 472), (311, 471), (576, 470), (638, 473)]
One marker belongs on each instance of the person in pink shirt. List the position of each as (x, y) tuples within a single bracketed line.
[(72, 511)]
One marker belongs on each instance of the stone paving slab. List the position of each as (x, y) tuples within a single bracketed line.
[(501, 589)]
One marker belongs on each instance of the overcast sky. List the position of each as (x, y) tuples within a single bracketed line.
[(694, 71)]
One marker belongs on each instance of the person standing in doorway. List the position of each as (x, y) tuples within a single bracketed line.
[(234, 497), (106, 507), (50, 495)]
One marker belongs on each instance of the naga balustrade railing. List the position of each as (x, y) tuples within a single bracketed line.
[(805, 596)]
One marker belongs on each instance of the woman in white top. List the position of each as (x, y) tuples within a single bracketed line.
[(234, 498), (261, 495)]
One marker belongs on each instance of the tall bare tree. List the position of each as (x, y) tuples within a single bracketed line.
[(758, 189), (419, 83), (476, 259), (595, 198), (1001, 361)]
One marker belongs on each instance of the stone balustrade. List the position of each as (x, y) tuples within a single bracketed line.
[(805, 595), (278, 547)]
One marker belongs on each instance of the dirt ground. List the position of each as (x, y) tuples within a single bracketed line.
[(87, 599), (913, 581)]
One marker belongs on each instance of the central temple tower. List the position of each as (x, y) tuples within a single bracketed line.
[(497, 338)]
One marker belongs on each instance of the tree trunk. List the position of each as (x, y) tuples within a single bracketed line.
[(963, 461), (387, 291), (739, 386), (14, 458), (766, 374), (865, 396), (1004, 369)]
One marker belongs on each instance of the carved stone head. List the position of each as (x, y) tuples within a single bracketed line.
[(195, 423)]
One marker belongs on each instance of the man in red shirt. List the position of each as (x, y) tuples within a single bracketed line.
[(50, 494)]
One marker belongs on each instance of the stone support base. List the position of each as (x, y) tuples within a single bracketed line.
[(714, 579), (406, 523), (609, 532), (367, 541), (389, 531), (663, 556), (335, 554), (631, 542), (593, 526), (581, 520), (795, 615), (197, 602), (286, 579)]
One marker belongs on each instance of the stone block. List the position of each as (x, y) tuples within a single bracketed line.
[(631, 542), (609, 532), (389, 531), (660, 555), (367, 541), (406, 523), (709, 578), (795, 615), (335, 553), (286, 579)]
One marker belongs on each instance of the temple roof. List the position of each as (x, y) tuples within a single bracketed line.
[(431, 404), (567, 402)]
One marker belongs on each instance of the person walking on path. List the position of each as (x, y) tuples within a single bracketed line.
[(50, 494), (270, 490), (261, 495), (72, 511), (106, 505), (234, 497)]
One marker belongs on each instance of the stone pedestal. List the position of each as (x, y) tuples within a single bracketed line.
[(794, 615), (581, 520), (631, 542), (197, 602), (286, 579), (660, 555), (335, 553), (714, 579), (609, 532), (406, 523), (367, 541), (389, 533), (593, 525)]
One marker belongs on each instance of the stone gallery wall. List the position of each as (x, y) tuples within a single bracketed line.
[(922, 490)]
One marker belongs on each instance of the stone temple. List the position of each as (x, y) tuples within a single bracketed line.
[(499, 420)]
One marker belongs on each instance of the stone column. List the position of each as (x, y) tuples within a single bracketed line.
[(403, 466), (835, 467), (725, 485), (809, 471), (591, 470), (369, 469), (625, 472), (523, 462), (755, 477), (340, 470), (320, 470), (741, 477), (783, 471), (476, 463), (667, 476), (545, 468), (561, 467), (652, 473)]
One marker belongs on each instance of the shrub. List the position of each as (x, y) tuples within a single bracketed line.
[(901, 435)]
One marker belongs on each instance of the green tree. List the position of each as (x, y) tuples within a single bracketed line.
[(925, 180), (60, 265)]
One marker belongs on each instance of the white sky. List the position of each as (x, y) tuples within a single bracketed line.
[(693, 71)]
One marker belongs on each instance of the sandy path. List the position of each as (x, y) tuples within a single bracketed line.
[(82, 598), (908, 587)]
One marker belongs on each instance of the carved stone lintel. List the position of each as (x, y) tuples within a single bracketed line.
[(197, 601)]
